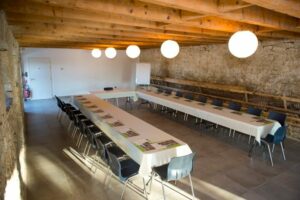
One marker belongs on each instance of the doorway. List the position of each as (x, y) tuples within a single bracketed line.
[(40, 80)]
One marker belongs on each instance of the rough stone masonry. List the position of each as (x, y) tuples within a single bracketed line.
[(273, 69), (11, 115)]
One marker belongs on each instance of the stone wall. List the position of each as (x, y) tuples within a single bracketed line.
[(273, 69), (11, 117)]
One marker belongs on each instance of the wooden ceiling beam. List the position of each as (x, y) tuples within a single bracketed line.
[(64, 14), (231, 5), (252, 15), (289, 7), (20, 19), (146, 11), (86, 31), (48, 41)]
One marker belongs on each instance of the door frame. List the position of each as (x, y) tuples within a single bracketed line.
[(50, 68)]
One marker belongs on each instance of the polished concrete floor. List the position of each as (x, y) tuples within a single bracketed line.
[(222, 169)]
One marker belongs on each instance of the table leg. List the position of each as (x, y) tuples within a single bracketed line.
[(251, 148)]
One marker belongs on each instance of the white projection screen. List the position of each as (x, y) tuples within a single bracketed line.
[(143, 73)]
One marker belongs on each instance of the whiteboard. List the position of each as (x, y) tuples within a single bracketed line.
[(143, 73)]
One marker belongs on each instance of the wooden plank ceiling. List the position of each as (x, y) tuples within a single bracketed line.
[(117, 23)]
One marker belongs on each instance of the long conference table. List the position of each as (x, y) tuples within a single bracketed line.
[(248, 124), (144, 143), (150, 146)]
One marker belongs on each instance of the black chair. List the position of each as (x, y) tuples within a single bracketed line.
[(77, 121), (235, 106), (254, 111), (159, 90), (280, 117), (178, 168), (102, 142), (168, 91), (179, 94), (63, 106), (189, 96), (124, 168), (71, 112), (217, 102), (202, 99), (277, 138), (91, 132), (83, 125)]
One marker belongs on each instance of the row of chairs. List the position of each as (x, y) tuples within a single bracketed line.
[(115, 159), (277, 138), (111, 156)]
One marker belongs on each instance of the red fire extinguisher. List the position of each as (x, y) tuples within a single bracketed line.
[(27, 93)]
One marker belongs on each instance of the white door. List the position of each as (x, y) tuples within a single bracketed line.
[(40, 81)]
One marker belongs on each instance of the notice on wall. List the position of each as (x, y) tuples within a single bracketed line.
[(143, 73)]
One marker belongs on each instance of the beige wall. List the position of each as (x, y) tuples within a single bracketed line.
[(274, 68)]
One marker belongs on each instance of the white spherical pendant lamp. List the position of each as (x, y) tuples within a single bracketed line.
[(110, 52), (96, 53), (133, 51), (169, 49), (243, 44)]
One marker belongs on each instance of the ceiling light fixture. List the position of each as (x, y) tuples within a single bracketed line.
[(243, 44), (96, 53), (110, 52), (169, 49), (133, 51)]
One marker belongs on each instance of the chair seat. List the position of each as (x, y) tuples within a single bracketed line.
[(104, 139), (162, 171), (116, 151), (269, 138), (76, 112), (95, 130), (129, 168), (88, 123)]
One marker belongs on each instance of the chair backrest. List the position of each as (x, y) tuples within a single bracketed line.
[(234, 106), (179, 94), (159, 90), (217, 102), (279, 135), (202, 99), (114, 164), (180, 167), (101, 149), (280, 117), (90, 132), (78, 118), (189, 96), (254, 111), (168, 91)]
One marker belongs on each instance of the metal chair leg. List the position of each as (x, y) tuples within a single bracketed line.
[(88, 150), (282, 149), (192, 188), (270, 154), (79, 142), (249, 140), (150, 181), (163, 189), (85, 148), (273, 147), (145, 189), (124, 187), (70, 125)]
